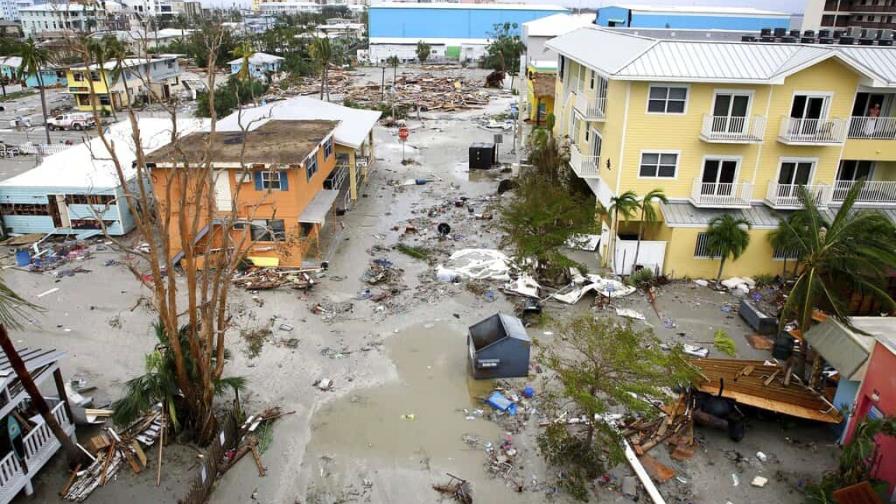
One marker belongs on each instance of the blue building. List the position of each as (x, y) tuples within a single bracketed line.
[(260, 65), (454, 31), (9, 68), (691, 17), (71, 190)]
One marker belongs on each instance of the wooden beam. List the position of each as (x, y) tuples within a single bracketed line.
[(60, 389)]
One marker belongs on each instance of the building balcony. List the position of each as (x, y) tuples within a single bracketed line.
[(796, 131), (727, 129), (874, 192), (787, 196), (872, 128), (584, 166), (592, 108), (721, 195)]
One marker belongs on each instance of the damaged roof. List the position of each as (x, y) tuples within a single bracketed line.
[(273, 143), (744, 382), (847, 348)]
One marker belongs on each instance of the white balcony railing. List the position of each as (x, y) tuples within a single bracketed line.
[(583, 166), (728, 129), (41, 444), (591, 108), (788, 195), (812, 131), (873, 191), (876, 128), (12, 477), (721, 195)]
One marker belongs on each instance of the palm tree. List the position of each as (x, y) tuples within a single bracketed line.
[(727, 236), (12, 307), (393, 62), (34, 59), (625, 204), (648, 214), (322, 54), (244, 51), (855, 250)]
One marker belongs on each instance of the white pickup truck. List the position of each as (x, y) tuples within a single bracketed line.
[(77, 121)]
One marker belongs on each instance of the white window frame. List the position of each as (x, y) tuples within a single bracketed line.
[(267, 181), (595, 134), (828, 99), (687, 97), (727, 157), (782, 160), (659, 151), (702, 235), (311, 159)]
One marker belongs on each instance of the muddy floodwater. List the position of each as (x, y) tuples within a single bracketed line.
[(409, 432)]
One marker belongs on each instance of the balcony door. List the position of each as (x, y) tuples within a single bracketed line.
[(718, 177), (807, 112), (596, 142), (849, 172), (730, 112), (791, 176)]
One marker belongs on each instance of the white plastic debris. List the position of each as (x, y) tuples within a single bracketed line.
[(735, 480), (696, 351), (701, 282), (629, 313), (759, 481), (444, 274), (761, 456), (525, 285), (479, 264)]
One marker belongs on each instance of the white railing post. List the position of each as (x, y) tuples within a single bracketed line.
[(875, 128)]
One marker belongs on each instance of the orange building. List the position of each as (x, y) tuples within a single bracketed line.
[(269, 190)]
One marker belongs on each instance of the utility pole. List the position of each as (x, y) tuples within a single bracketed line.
[(383, 85)]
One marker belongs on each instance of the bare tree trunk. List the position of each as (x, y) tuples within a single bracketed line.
[(73, 454), (638, 246), (721, 265)]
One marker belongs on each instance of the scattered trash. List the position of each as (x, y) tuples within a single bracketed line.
[(270, 278), (48, 292), (457, 488), (479, 264), (581, 285), (759, 481), (761, 456), (528, 392), (525, 285), (324, 384), (735, 480), (286, 327), (696, 351), (701, 282), (409, 417)]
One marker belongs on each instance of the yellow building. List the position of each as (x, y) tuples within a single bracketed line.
[(114, 85), (723, 127), (540, 78)]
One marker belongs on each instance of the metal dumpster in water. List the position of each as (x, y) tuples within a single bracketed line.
[(499, 348)]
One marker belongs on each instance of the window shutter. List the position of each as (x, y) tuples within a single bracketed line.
[(258, 184), (284, 184)]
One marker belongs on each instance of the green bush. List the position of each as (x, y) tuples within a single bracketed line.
[(641, 278), (229, 96)]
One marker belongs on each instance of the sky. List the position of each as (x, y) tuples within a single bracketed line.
[(789, 6)]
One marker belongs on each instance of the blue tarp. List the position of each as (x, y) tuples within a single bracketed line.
[(501, 403)]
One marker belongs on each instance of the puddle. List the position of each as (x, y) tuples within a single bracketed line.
[(411, 429)]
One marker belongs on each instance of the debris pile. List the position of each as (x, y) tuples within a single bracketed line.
[(109, 449), (382, 271), (269, 278), (421, 91), (458, 489), (250, 440), (675, 426)]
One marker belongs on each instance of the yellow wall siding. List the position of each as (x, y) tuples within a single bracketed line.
[(872, 150), (680, 260), (829, 76)]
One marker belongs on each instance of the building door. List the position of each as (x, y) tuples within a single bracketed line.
[(223, 198), (795, 173), (730, 113), (596, 143), (849, 172), (718, 177), (808, 111)]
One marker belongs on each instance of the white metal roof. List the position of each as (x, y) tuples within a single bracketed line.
[(258, 58), (470, 6), (354, 124), (701, 9), (556, 24), (89, 165), (631, 57), (11, 61)]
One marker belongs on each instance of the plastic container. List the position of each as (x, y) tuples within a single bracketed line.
[(23, 257)]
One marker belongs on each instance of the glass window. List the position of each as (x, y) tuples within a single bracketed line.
[(270, 180), (311, 166), (667, 99), (328, 148), (268, 230), (655, 164)]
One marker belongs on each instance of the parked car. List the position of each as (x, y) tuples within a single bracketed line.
[(71, 121)]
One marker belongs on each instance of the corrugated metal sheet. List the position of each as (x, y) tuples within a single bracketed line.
[(684, 214), (628, 56), (845, 349)]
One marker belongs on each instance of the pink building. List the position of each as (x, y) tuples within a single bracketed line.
[(876, 399)]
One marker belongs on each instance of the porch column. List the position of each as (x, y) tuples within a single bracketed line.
[(60, 389), (353, 175)]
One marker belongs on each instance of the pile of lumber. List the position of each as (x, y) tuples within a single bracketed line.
[(249, 442), (675, 426), (109, 450)]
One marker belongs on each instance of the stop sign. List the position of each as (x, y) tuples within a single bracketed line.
[(403, 133)]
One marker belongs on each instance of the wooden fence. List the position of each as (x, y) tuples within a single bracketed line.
[(207, 474)]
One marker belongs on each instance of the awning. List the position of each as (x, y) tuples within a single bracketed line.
[(264, 262), (843, 348), (316, 211)]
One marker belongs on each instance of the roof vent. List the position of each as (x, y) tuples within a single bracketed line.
[(795, 33), (809, 33), (747, 38), (807, 40), (767, 39), (844, 40), (780, 32), (885, 42), (826, 40), (824, 33), (765, 32), (788, 40), (866, 41)]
